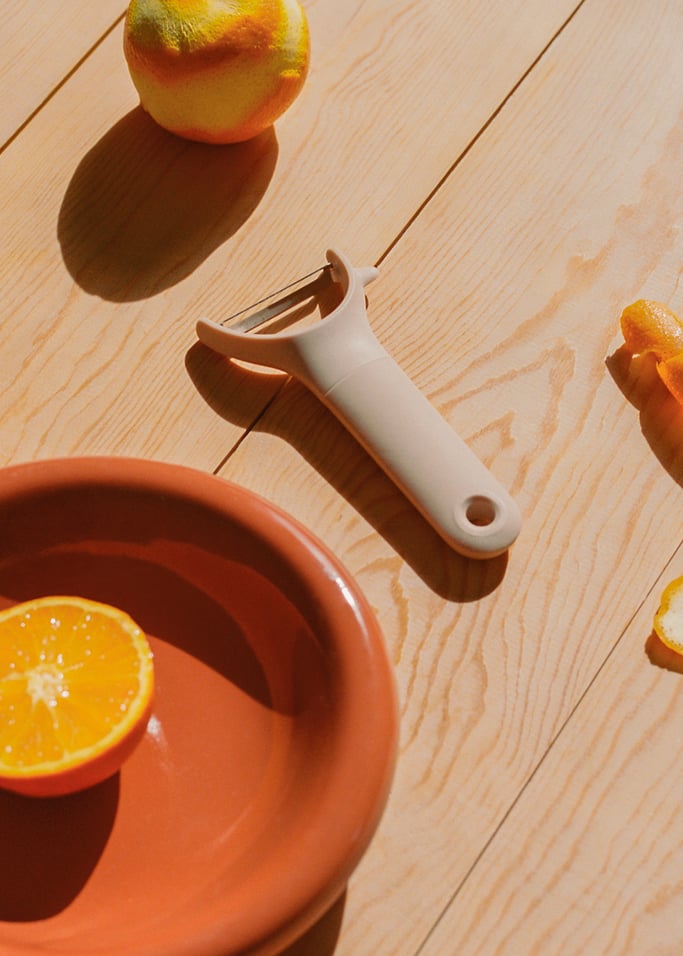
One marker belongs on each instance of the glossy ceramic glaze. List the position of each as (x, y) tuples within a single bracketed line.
[(268, 759)]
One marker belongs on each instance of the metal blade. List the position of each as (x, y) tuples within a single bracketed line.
[(252, 320)]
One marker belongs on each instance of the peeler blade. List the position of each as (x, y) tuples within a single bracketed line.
[(297, 291)]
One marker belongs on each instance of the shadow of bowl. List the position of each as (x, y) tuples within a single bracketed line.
[(144, 208), (322, 938)]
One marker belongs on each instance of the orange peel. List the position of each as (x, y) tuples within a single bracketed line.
[(668, 620), (650, 327), (216, 71), (671, 373)]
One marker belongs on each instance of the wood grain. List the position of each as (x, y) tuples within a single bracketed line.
[(589, 857), (42, 44), (515, 168), (125, 235), (502, 302)]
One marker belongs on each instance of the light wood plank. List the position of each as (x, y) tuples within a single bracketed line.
[(41, 44), (502, 302), (590, 858), (123, 235)]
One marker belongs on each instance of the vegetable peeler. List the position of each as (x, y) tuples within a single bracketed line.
[(339, 359)]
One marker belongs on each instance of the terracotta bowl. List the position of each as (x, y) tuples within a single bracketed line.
[(268, 759)]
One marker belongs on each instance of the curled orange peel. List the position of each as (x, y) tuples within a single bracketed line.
[(649, 326), (668, 621)]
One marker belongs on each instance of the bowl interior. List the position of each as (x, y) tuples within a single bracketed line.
[(267, 760)]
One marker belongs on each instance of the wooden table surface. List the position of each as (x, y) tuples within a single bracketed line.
[(515, 170)]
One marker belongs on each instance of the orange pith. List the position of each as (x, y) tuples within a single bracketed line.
[(668, 622), (76, 689)]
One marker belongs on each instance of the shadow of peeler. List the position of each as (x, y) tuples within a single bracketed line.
[(339, 359)]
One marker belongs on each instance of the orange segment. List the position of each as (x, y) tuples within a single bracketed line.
[(649, 326), (76, 690), (668, 622)]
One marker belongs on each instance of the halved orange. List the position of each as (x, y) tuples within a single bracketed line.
[(649, 326), (76, 693), (668, 622)]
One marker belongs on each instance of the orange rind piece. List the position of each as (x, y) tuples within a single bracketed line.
[(76, 694), (649, 326), (671, 373), (668, 621)]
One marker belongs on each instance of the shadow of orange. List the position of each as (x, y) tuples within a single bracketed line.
[(162, 601), (50, 848), (661, 416), (144, 208), (662, 656)]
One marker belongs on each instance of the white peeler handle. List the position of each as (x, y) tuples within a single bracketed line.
[(342, 362), (433, 467)]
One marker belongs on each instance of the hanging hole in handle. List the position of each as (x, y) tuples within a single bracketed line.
[(481, 511)]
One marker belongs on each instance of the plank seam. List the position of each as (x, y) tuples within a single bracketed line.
[(478, 135), (65, 79), (553, 742)]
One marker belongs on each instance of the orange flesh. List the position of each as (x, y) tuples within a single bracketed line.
[(75, 679)]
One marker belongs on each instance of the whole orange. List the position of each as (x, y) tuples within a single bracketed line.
[(217, 71)]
